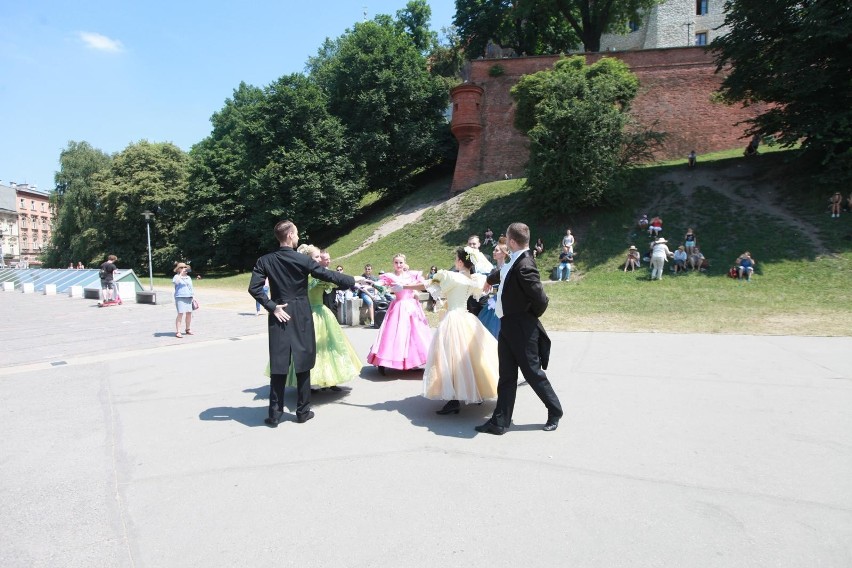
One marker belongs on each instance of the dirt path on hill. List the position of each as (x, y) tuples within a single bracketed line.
[(404, 217), (737, 183)]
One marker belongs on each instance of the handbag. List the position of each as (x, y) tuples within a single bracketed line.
[(195, 304)]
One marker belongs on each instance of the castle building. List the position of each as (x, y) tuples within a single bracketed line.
[(674, 23)]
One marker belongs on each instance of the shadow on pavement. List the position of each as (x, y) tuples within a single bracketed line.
[(421, 412), (246, 415)]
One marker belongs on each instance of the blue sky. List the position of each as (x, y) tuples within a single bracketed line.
[(114, 73)]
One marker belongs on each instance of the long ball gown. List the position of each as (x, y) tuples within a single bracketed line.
[(403, 339), (337, 361), (488, 315), (463, 362)]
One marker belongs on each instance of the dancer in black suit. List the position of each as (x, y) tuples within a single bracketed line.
[(291, 332), (522, 342)]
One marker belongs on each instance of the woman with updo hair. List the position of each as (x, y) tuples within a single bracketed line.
[(404, 336), (462, 364)]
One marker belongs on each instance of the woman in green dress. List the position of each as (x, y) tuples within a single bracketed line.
[(337, 361)]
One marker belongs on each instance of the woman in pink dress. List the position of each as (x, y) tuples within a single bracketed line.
[(404, 337)]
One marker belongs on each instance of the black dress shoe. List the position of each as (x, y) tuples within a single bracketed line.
[(302, 418), (275, 419), (490, 428), (335, 388), (451, 407), (552, 424)]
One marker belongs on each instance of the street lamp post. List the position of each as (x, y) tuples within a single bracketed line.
[(148, 216)]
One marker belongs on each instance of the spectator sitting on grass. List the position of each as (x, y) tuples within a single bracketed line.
[(696, 259), (539, 247), (566, 257), (632, 262), (643, 223), (745, 266), (656, 227), (836, 201), (679, 260)]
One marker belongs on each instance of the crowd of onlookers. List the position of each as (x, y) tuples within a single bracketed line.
[(686, 257)]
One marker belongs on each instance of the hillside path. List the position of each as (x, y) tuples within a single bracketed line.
[(737, 184), (406, 216)]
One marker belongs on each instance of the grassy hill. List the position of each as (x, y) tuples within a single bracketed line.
[(804, 258)]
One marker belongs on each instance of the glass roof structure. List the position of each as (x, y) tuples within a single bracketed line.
[(63, 278)]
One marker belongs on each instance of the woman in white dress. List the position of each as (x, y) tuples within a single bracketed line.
[(462, 364)]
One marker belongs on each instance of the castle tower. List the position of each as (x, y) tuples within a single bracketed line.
[(466, 126)]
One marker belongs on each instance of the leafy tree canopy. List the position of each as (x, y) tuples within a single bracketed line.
[(592, 18), (543, 27), (530, 27), (576, 118), (144, 176), (274, 153), (379, 86), (796, 55), (75, 233)]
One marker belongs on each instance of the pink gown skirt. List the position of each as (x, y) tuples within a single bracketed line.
[(404, 337)]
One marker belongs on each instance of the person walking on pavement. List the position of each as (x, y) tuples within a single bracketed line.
[(291, 332), (522, 343)]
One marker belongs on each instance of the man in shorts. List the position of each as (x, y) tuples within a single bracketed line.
[(107, 280)]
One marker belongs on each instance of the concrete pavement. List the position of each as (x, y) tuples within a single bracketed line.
[(124, 446)]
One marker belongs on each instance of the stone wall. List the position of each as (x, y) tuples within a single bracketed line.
[(675, 95)]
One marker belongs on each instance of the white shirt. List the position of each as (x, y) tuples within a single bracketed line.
[(498, 306)]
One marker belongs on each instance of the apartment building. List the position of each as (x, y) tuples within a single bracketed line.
[(25, 223)]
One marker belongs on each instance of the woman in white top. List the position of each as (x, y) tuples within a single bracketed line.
[(659, 254)]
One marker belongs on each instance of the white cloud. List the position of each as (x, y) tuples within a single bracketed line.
[(101, 42)]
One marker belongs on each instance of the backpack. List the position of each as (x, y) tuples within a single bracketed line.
[(102, 274), (733, 272)]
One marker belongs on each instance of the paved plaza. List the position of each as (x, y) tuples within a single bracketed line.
[(123, 446)]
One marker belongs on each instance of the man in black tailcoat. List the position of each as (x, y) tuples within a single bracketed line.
[(522, 342), (291, 332)]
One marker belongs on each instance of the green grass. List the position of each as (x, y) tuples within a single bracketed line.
[(796, 291)]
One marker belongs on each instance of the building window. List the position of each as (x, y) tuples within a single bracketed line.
[(24, 243), (700, 7), (43, 210), (32, 204), (634, 27), (23, 222), (22, 204), (701, 38)]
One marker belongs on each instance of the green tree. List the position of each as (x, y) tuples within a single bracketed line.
[(222, 183), (794, 55), (592, 18), (575, 116), (414, 21), (447, 56), (378, 85), (274, 153), (144, 176), (530, 27), (76, 231)]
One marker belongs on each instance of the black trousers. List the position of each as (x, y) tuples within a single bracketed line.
[(303, 393), (521, 354)]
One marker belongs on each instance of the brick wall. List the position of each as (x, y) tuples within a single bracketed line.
[(676, 85)]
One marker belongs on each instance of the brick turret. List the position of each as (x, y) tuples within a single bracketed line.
[(467, 128)]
